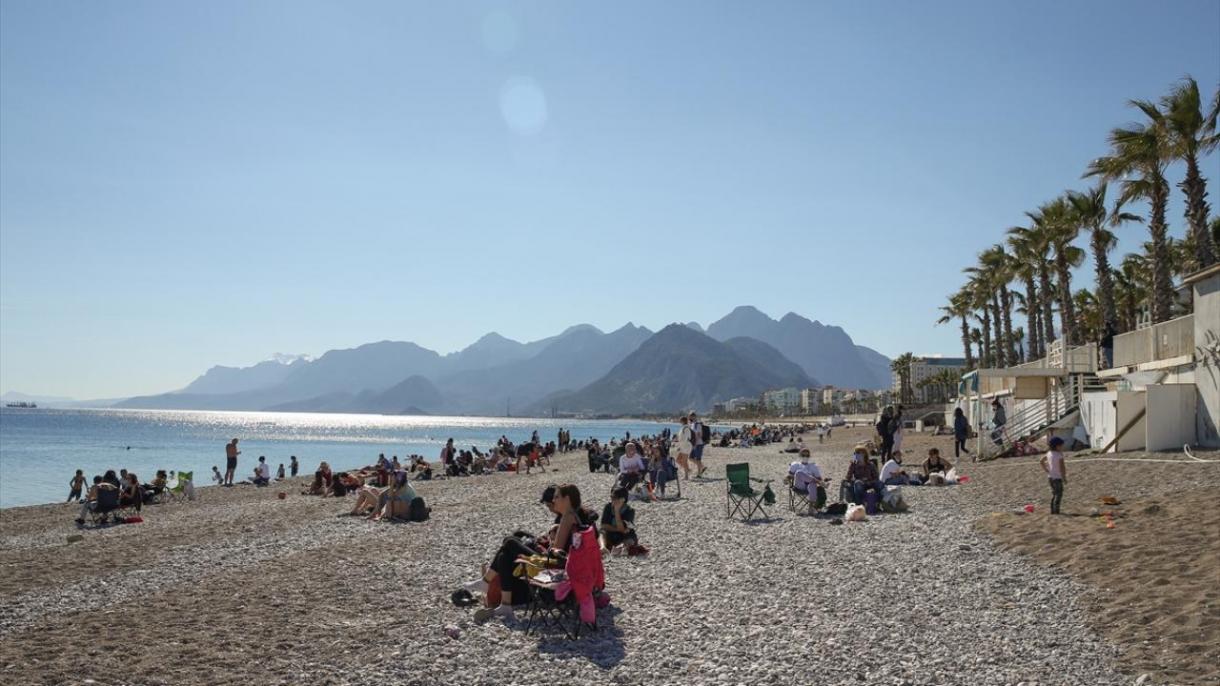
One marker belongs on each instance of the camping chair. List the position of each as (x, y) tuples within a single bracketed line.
[(107, 504), (798, 499), (741, 497), (568, 603), (180, 489)]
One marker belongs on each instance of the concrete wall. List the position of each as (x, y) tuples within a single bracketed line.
[(1207, 361), (1130, 404), (1171, 416)]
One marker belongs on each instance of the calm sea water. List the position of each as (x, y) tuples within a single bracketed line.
[(41, 449)]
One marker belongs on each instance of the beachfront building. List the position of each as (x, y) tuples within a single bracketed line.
[(1162, 387), (810, 399), (927, 368), (831, 396), (740, 404), (782, 401)]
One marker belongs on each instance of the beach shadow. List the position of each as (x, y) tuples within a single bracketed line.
[(602, 646)]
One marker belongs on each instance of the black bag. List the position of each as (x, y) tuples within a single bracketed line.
[(836, 509), (417, 511), (705, 433)]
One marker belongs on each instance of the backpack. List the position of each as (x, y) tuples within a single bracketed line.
[(705, 433), (836, 509), (417, 511)]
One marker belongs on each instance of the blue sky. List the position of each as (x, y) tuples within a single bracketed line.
[(189, 184)]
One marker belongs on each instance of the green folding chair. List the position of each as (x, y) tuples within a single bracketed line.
[(178, 492), (742, 497)]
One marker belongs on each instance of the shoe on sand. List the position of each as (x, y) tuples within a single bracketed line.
[(487, 613), (476, 586)]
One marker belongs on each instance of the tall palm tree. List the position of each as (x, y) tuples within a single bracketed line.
[(1189, 132), (1131, 288), (989, 297), (902, 367), (1137, 158), (1061, 229), (1088, 210), (977, 339), (999, 264), (1037, 236), (1088, 314), (1026, 264), (959, 309), (980, 301)]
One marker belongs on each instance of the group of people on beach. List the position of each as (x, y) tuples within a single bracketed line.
[(114, 491)]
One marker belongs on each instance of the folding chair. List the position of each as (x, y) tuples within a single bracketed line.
[(107, 505), (741, 497), (582, 579), (179, 490), (798, 496)]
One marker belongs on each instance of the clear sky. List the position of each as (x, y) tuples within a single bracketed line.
[(189, 184)]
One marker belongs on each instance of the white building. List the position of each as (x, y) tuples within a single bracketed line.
[(810, 398), (782, 400), (922, 368)]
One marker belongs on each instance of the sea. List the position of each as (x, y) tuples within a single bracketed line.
[(40, 449)]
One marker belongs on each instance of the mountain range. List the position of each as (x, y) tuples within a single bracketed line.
[(630, 369)]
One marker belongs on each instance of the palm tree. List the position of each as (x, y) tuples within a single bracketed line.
[(1039, 248), (999, 265), (979, 294), (977, 339), (1088, 314), (1189, 132), (959, 308), (1137, 158), (1088, 210), (1130, 289), (1061, 230), (1026, 265), (943, 384), (902, 367)]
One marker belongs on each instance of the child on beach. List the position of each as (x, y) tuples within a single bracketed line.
[(217, 478), (293, 465), (279, 473), (77, 485), (1056, 472)]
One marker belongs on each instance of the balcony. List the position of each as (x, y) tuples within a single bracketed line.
[(1164, 341)]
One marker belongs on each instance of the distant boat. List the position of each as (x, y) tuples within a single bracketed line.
[(22, 406)]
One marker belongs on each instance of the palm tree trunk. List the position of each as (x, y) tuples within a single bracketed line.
[(997, 322), (1031, 317), (1044, 299), (966, 343), (988, 360), (1105, 282), (1010, 343), (1195, 188), (1162, 288), (1067, 309)]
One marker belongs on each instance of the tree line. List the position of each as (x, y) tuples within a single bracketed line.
[(1029, 273)]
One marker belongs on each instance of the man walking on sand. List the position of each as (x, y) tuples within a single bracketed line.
[(231, 453), (1056, 472), (696, 453)]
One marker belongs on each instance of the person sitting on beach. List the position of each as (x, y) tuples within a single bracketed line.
[(862, 476), (395, 501), (630, 468), (321, 481), (262, 472), (76, 486), (279, 473), (892, 473), (156, 487), (804, 476), (91, 499), (570, 517), (935, 468), (217, 477), (618, 524), (792, 448), (421, 468), (130, 494)]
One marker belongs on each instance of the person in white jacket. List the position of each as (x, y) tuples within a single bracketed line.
[(684, 444)]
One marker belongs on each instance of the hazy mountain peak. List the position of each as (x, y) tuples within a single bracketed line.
[(580, 327), (493, 337), (289, 358), (695, 326)]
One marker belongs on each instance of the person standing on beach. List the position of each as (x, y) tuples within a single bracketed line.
[(293, 465), (231, 453), (961, 431), (1056, 472), (76, 486), (696, 453), (684, 445)]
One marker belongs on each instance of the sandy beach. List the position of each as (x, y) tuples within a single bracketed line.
[(240, 586)]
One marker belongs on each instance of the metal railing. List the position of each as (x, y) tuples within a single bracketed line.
[(1163, 341), (1033, 417)]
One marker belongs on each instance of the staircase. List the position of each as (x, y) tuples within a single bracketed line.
[(1059, 409)]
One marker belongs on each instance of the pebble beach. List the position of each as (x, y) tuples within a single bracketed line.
[(240, 586)]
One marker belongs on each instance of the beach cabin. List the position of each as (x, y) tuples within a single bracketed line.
[(1162, 390)]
